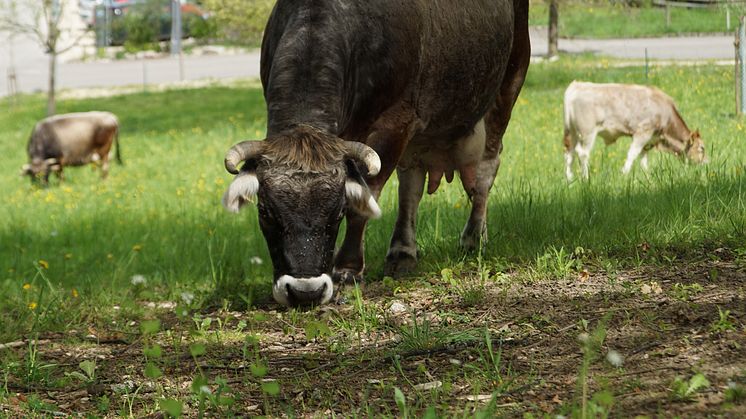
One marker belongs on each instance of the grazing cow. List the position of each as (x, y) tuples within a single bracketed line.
[(73, 139), (356, 89), (645, 113)]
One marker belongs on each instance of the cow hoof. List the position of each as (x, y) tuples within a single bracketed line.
[(472, 238), (347, 277), (399, 263)]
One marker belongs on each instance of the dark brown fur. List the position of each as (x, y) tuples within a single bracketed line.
[(305, 148)]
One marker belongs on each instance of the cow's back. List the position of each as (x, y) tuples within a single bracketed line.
[(616, 109), (72, 137), (445, 60)]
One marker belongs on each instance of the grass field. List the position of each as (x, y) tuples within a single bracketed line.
[(603, 20), (141, 294)]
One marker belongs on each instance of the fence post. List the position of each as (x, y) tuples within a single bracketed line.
[(737, 72), (742, 62)]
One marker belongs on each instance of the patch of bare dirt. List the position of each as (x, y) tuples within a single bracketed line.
[(662, 323)]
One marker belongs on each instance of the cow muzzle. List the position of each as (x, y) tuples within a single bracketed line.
[(291, 291)]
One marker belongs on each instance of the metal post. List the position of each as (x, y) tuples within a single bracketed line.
[(646, 65), (668, 15), (742, 60), (144, 76), (175, 27)]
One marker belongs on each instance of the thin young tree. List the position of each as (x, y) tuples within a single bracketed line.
[(43, 21)]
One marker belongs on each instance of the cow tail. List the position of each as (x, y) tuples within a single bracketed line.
[(118, 154)]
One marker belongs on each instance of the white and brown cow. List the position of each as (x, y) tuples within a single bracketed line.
[(73, 139), (645, 113)]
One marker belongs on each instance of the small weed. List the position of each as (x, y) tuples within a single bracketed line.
[(684, 390), (735, 393), (554, 264), (723, 323), (686, 292), (420, 336)]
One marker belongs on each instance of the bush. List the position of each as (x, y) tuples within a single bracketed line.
[(240, 21)]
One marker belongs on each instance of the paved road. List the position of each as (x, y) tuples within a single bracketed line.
[(32, 67), (675, 48)]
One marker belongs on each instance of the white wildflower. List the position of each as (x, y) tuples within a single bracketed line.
[(187, 297), (138, 280), (205, 390), (615, 358), (256, 260)]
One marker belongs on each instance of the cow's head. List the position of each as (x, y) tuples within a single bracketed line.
[(304, 181), (39, 169), (695, 148)]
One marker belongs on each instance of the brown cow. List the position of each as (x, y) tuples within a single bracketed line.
[(73, 139), (645, 113)]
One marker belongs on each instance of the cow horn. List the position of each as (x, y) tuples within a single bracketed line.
[(241, 152), (365, 154)]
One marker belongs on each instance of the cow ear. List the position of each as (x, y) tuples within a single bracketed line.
[(241, 191), (360, 200)]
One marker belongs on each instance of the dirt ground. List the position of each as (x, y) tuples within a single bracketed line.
[(421, 338)]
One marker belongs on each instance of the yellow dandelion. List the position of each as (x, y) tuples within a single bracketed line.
[(26, 286), (43, 264), (74, 293), (109, 256), (137, 247), (32, 306)]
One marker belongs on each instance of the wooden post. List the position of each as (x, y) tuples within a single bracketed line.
[(742, 61), (668, 15), (553, 49), (737, 74)]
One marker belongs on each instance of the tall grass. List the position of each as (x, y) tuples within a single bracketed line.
[(603, 20), (159, 215)]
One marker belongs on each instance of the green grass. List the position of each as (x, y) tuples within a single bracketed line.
[(603, 20), (159, 215)]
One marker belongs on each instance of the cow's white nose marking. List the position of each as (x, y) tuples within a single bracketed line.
[(306, 285)]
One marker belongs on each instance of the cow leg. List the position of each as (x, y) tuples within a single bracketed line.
[(583, 149), (639, 141), (402, 254), (105, 166), (478, 183), (569, 143), (644, 160), (389, 137)]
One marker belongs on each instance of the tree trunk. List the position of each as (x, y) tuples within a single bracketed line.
[(51, 101), (553, 29)]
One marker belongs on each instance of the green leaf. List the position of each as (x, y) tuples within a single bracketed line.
[(271, 387), (696, 383), (251, 340), (152, 351), (171, 407), (77, 375), (401, 401), (152, 371), (197, 349), (226, 401), (149, 327), (197, 383), (88, 367), (258, 369)]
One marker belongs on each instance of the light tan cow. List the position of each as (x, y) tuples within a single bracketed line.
[(645, 113)]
